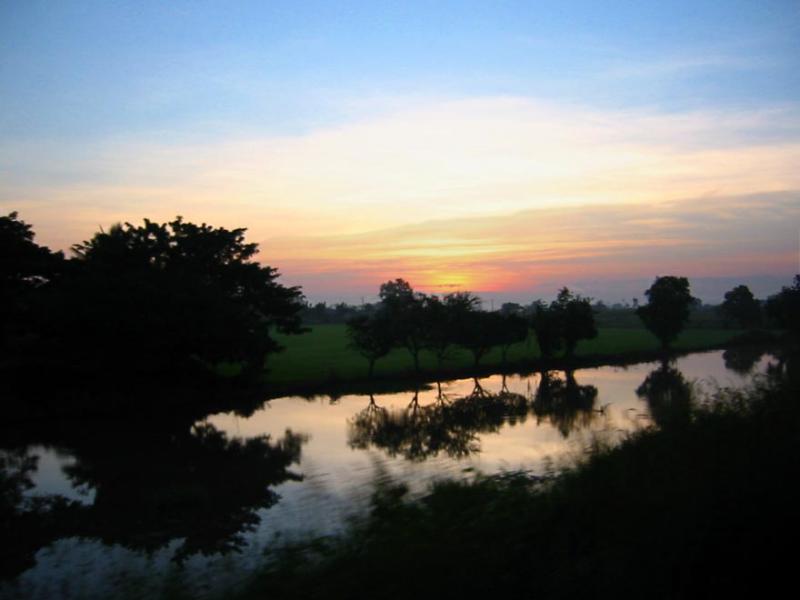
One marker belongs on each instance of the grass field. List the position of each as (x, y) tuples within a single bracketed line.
[(323, 354)]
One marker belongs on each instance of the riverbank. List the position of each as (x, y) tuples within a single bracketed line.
[(320, 361)]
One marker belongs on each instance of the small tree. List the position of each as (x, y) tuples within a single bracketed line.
[(576, 319), (511, 329), (546, 325), (480, 333), (371, 336), (405, 309), (741, 307), (667, 309), (444, 318)]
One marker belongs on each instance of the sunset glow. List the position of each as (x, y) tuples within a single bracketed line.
[(491, 183)]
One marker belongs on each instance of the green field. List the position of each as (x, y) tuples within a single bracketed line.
[(323, 355)]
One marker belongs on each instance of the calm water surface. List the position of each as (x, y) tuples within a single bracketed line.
[(203, 504)]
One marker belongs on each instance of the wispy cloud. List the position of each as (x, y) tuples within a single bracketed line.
[(676, 66), (436, 159)]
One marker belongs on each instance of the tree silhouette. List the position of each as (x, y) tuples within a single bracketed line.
[(667, 309), (511, 329), (444, 320), (784, 308), (546, 324), (480, 333), (25, 267), (576, 319), (741, 307), (405, 308), (371, 336), (162, 298)]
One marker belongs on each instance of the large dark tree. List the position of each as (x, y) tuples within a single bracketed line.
[(741, 307), (667, 310), (158, 298), (25, 268)]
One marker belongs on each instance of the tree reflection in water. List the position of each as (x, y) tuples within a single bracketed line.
[(668, 395), (26, 523), (449, 427), (742, 359), (564, 403), (150, 488)]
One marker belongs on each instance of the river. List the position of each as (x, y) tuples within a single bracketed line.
[(124, 512)]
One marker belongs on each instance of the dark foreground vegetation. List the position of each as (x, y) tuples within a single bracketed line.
[(705, 505)]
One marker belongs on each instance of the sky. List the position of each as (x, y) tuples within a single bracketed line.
[(507, 148)]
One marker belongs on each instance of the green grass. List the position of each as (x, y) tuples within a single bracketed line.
[(323, 354)]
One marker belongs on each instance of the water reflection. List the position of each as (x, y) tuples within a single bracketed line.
[(200, 489), (27, 524), (668, 395), (451, 427), (742, 359), (564, 403), (196, 485)]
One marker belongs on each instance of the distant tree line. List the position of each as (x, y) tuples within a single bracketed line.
[(322, 313), (415, 321), (405, 318)]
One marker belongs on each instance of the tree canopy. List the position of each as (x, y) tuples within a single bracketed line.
[(575, 318), (566, 321), (24, 268), (406, 315), (667, 310), (546, 326), (162, 297), (372, 336), (741, 307)]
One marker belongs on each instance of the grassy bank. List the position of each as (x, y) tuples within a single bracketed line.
[(322, 355), (700, 509)]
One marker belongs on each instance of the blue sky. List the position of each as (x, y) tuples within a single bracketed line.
[(84, 69), (312, 120)]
